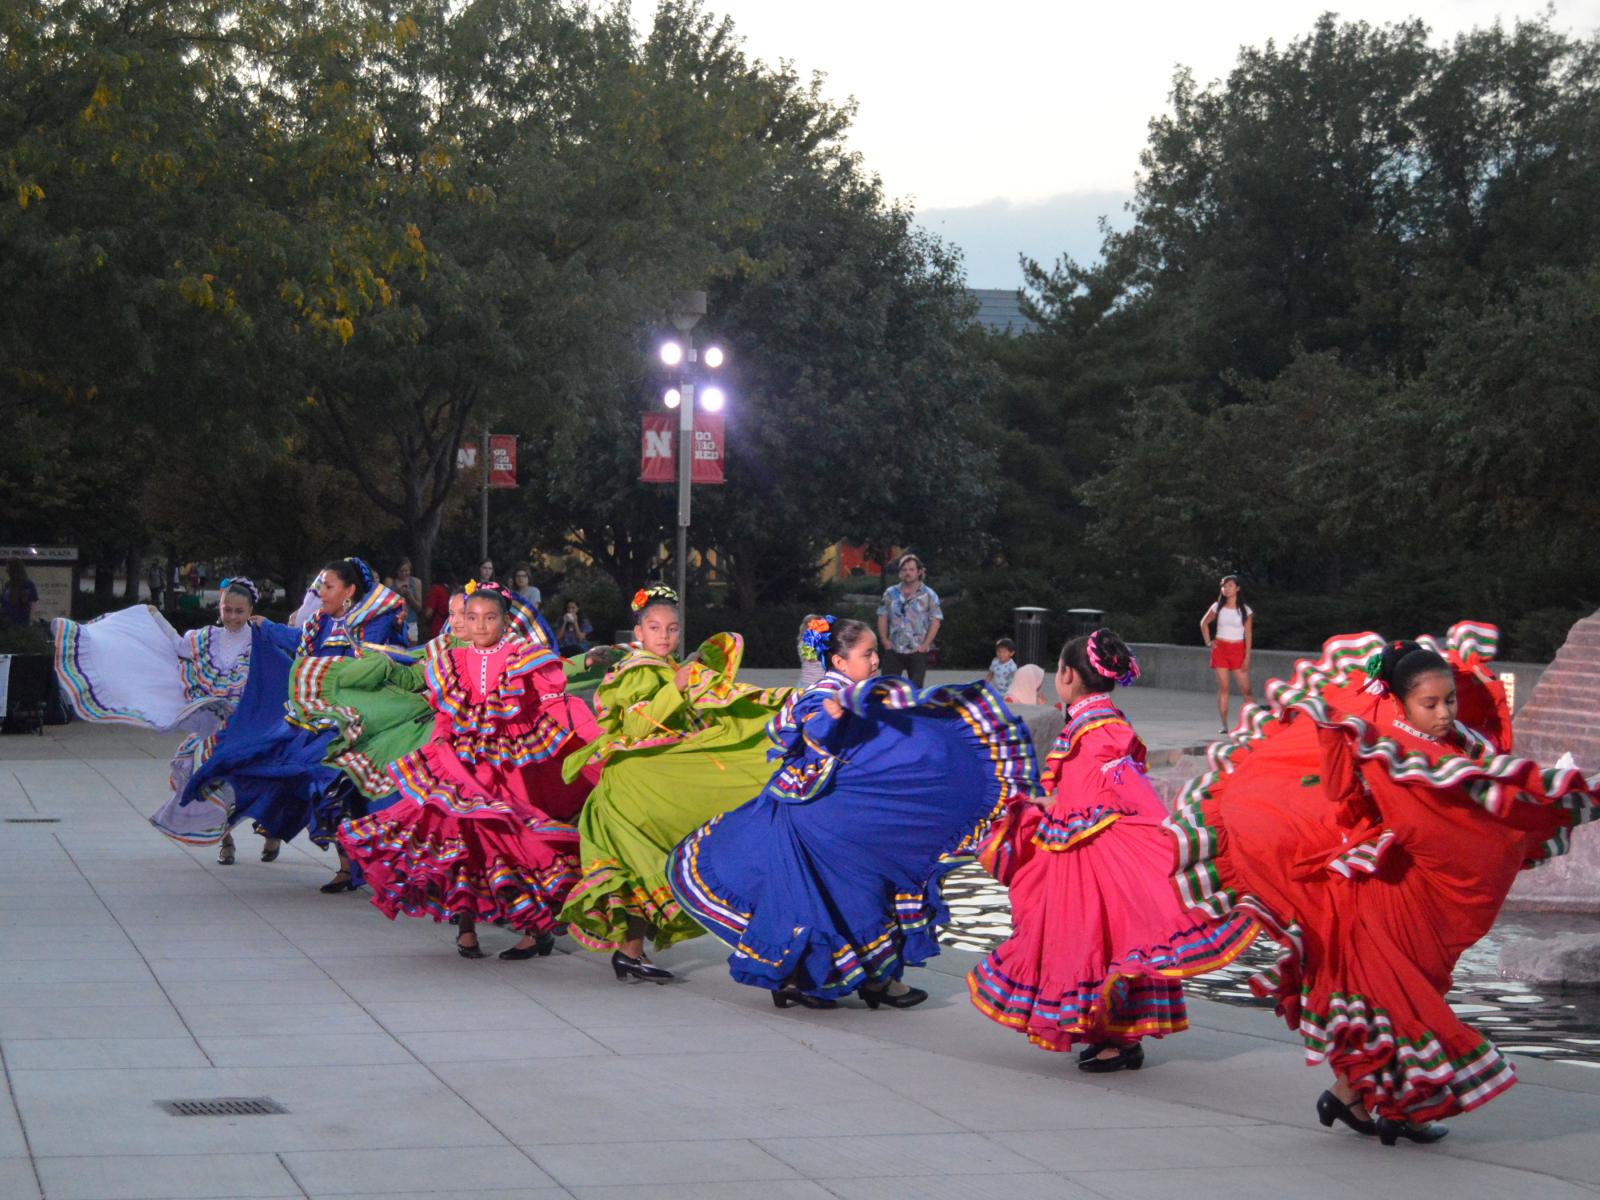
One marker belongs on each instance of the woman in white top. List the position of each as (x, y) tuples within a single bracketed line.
[(1230, 649)]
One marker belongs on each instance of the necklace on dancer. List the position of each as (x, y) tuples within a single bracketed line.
[(1401, 725)]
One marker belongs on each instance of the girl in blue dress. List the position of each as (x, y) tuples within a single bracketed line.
[(277, 770), (827, 883)]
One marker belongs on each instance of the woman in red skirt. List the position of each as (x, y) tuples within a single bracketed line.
[(1230, 648), (481, 828), (1101, 942), (1376, 836)]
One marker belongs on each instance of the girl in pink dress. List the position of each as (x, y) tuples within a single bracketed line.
[(1101, 939), (481, 829)]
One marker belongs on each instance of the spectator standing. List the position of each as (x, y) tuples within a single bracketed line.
[(486, 571), (909, 617), (409, 588), (1230, 649), (522, 585), (155, 580), (436, 608), (1003, 667), (20, 595)]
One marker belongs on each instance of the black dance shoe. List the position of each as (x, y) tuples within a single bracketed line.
[(342, 881), (225, 853), (1090, 1051), (1330, 1109), (1391, 1131), (472, 951), (638, 968), (1129, 1058), (269, 850), (909, 998), (789, 994), (540, 949)]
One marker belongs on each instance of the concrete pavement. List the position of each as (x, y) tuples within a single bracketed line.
[(134, 970)]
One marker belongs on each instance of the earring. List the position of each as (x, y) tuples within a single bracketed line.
[(346, 606)]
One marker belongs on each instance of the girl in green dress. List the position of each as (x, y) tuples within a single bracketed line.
[(681, 743)]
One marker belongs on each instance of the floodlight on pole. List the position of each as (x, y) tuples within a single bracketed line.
[(671, 353), (672, 397), (712, 399), (712, 357)]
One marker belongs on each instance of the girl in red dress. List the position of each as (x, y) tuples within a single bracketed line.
[(482, 827), (1376, 836), (1101, 939), (1230, 648)]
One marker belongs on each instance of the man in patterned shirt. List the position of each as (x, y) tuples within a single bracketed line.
[(909, 617)]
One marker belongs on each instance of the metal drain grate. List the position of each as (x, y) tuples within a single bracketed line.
[(33, 820), (224, 1106)]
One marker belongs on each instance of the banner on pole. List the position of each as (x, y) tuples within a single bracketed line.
[(658, 462), (502, 459)]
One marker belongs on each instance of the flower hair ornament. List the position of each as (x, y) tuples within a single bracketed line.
[(645, 597), (241, 584), (473, 587), (1126, 678), (1375, 685), (814, 638)]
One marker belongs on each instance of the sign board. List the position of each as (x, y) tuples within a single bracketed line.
[(658, 462), (502, 459), (52, 570)]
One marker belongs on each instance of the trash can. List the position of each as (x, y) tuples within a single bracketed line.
[(1030, 634), (1085, 621)]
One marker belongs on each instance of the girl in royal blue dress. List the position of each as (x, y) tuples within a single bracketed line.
[(827, 883), (280, 779)]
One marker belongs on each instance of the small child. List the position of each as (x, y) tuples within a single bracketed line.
[(1003, 668)]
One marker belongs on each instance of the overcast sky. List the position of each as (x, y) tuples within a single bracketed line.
[(1014, 125)]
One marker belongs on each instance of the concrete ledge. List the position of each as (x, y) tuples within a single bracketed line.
[(1188, 668)]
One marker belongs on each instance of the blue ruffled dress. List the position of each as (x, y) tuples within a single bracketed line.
[(830, 877), (280, 780)]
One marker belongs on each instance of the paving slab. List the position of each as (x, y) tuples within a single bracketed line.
[(133, 970)]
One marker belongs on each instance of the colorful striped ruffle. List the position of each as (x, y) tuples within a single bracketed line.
[(1413, 1079), (418, 873), (609, 895), (1116, 1008)]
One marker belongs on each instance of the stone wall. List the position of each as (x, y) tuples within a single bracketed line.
[(1560, 717), (1188, 669)]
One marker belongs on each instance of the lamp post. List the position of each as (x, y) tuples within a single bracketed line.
[(687, 311)]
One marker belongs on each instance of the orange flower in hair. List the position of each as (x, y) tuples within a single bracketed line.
[(639, 599)]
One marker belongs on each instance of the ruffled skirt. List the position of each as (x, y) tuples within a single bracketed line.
[(843, 890)]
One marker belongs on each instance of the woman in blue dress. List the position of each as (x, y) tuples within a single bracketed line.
[(277, 770), (827, 883)]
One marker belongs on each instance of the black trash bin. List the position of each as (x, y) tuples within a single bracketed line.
[(1084, 621), (1030, 634)]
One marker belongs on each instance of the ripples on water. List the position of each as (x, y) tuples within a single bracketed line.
[(1559, 1024)]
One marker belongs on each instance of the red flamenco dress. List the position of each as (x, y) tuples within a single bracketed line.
[(1101, 938), (482, 825), (1376, 855)]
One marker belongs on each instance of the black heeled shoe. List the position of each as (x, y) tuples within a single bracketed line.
[(638, 968), (341, 882), (789, 994), (472, 951), (541, 948), (225, 853), (1090, 1051), (269, 850), (1390, 1132), (1330, 1109), (909, 998), (1129, 1058)]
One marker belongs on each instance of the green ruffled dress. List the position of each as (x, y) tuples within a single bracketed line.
[(673, 760)]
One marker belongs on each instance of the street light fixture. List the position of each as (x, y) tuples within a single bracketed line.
[(687, 311)]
